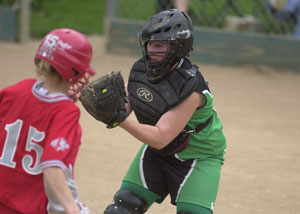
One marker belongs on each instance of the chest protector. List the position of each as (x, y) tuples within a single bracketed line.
[(150, 101)]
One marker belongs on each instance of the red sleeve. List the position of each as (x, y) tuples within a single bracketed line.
[(63, 139)]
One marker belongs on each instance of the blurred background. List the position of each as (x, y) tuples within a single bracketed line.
[(258, 105), (261, 32), (88, 16)]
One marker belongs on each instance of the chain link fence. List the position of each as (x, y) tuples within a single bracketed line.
[(243, 15)]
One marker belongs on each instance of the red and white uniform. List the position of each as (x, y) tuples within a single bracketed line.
[(37, 130)]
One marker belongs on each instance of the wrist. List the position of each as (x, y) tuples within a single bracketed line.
[(123, 123)]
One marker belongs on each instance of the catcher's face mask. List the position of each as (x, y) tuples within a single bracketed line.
[(159, 59), (173, 27), (157, 51)]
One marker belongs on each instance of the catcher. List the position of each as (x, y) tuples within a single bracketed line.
[(183, 142)]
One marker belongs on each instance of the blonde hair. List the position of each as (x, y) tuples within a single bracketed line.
[(45, 70)]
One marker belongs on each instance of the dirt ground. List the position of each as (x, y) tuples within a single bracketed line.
[(260, 109)]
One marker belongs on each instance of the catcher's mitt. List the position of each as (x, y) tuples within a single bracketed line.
[(104, 99)]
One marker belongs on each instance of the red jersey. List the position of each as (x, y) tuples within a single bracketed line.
[(37, 130)]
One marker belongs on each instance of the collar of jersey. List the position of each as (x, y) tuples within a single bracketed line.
[(42, 94)]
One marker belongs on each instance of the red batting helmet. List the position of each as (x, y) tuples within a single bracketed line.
[(70, 53)]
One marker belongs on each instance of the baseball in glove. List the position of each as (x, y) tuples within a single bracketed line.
[(104, 98)]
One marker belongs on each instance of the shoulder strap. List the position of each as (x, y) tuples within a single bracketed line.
[(199, 127)]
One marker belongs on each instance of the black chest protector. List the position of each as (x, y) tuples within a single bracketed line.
[(150, 101)]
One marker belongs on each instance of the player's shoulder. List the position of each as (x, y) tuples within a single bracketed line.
[(68, 106), (18, 89), (64, 109), (139, 65), (188, 65), (26, 82), (21, 85), (193, 70)]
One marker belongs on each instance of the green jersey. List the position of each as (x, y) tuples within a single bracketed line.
[(210, 141)]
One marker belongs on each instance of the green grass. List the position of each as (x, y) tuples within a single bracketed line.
[(203, 12), (136, 9), (86, 16)]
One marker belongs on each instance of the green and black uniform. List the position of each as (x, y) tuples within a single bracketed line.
[(190, 169)]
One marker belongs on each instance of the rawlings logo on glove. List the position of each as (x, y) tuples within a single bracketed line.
[(104, 99)]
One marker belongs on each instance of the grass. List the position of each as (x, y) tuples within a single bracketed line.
[(210, 13), (86, 16), (203, 12)]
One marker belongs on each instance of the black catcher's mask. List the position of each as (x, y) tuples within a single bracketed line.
[(170, 26)]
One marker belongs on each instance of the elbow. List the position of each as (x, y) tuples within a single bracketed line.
[(160, 145), (161, 141)]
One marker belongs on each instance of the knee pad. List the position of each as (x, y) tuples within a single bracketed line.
[(127, 202)]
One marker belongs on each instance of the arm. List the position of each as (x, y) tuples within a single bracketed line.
[(182, 5), (127, 105), (168, 126), (56, 180)]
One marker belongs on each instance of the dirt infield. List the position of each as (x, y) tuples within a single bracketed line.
[(260, 109)]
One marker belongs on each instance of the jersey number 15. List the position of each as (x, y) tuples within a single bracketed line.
[(10, 146)]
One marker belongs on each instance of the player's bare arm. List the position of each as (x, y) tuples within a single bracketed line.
[(55, 178), (168, 126)]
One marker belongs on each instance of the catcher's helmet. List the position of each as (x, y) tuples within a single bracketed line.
[(70, 53), (170, 26)]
